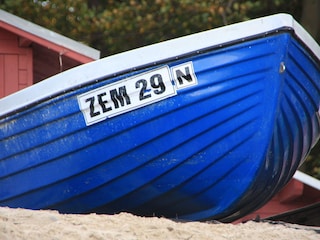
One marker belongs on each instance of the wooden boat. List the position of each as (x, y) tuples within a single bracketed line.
[(207, 126)]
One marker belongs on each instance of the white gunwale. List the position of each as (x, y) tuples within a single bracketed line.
[(129, 60)]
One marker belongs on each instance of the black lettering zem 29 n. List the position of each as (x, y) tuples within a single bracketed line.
[(135, 92), (118, 96)]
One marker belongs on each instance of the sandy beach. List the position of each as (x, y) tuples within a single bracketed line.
[(31, 224)]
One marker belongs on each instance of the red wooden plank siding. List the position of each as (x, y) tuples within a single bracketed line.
[(1, 76), (25, 69), (15, 64), (11, 79)]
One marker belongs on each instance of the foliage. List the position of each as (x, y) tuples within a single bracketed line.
[(71, 18), (114, 26)]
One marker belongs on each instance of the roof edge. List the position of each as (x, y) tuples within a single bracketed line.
[(48, 35)]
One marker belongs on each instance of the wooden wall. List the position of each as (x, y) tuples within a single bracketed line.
[(293, 196), (16, 68)]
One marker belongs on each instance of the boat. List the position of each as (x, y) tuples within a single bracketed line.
[(206, 126)]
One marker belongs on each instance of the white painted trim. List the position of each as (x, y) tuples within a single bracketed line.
[(307, 179), (151, 54), (306, 38), (48, 35)]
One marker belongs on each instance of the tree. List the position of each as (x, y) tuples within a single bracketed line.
[(115, 26), (311, 18)]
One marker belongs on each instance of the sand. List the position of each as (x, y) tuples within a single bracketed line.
[(31, 224)]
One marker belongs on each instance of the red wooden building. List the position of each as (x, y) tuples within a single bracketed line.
[(30, 53), (300, 197)]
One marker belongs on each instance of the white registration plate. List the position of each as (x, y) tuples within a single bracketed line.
[(126, 95)]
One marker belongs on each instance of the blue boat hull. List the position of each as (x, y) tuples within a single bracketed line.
[(218, 149)]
